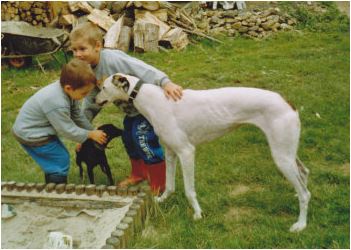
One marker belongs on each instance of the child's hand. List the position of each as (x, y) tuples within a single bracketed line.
[(98, 135), (78, 147), (173, 91)]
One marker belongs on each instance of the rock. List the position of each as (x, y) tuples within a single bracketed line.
[(268, 25), (285, 26), (243, 29), (253, 28), (231, 13), (236, 25)]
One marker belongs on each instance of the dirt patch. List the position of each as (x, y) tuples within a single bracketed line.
[(242, 189), (344, 7), (33, 223), (345, 169), (238, 190), (236, 213)]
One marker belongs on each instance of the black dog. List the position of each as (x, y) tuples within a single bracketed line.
[(93, 154)]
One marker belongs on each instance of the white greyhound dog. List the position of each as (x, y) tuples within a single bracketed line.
[(203, 115)]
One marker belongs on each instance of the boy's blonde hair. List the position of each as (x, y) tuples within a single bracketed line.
[(87, 31), (77, 74)]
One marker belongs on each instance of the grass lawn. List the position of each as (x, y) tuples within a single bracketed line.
[(246, 201)]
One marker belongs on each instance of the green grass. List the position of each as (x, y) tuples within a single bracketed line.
[(246, 201)]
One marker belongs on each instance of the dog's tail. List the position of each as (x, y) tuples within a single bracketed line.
[(303, 171)]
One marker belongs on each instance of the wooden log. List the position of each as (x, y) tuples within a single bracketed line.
[(20, 186), (50, 187), (29, 187), (70, 188), (58, 8), (101, 18), (114, 242), (122, 191), (147, 17), (175, 38), (39, 187), (161, 14), (80, 5), (134, 215), (132, 191), (90, 189), (131, 224), (120, 235), (148, 5), (138, 218), (126, 232), (3, 185), (118, 6), (124, 38), (80, 189), (112, 190), (67, 20), (113, 33), (60, 188), (142, 204), (100, 190), (146, 37)]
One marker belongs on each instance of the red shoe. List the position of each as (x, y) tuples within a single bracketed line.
[(157, 177), (137, 173)]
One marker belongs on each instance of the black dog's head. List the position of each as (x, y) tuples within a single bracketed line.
[(111, 131)]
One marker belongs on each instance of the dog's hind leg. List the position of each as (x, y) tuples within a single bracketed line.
[(171, 164), (304, 172), (104, 165), (283, 137), (187, 160)]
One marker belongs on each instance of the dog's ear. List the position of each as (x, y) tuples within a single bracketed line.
[(120, 82)]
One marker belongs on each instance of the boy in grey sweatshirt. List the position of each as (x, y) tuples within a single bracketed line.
[(55, 111), (139, 138)]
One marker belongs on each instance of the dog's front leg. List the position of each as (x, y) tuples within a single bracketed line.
[(104, 165), (187, 160), (171, 164)]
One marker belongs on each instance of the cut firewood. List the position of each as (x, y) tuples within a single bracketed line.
[(80, 5), (66, 20), (112, 35), (161, 14), (101, 18), (175, 38), (148, 5), (146, 37), (124, 38), (147, 17)]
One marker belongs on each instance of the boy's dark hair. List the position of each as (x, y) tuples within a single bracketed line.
[(77, 74), (87, 31)]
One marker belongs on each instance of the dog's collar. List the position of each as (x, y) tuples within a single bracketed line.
[(135, 91)]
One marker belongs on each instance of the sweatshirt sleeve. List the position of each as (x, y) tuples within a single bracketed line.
[(61, 121), (133, 66), (79, 118), (89, 108)]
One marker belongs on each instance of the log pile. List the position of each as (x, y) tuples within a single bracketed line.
[(35, 13), (150, 25)]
